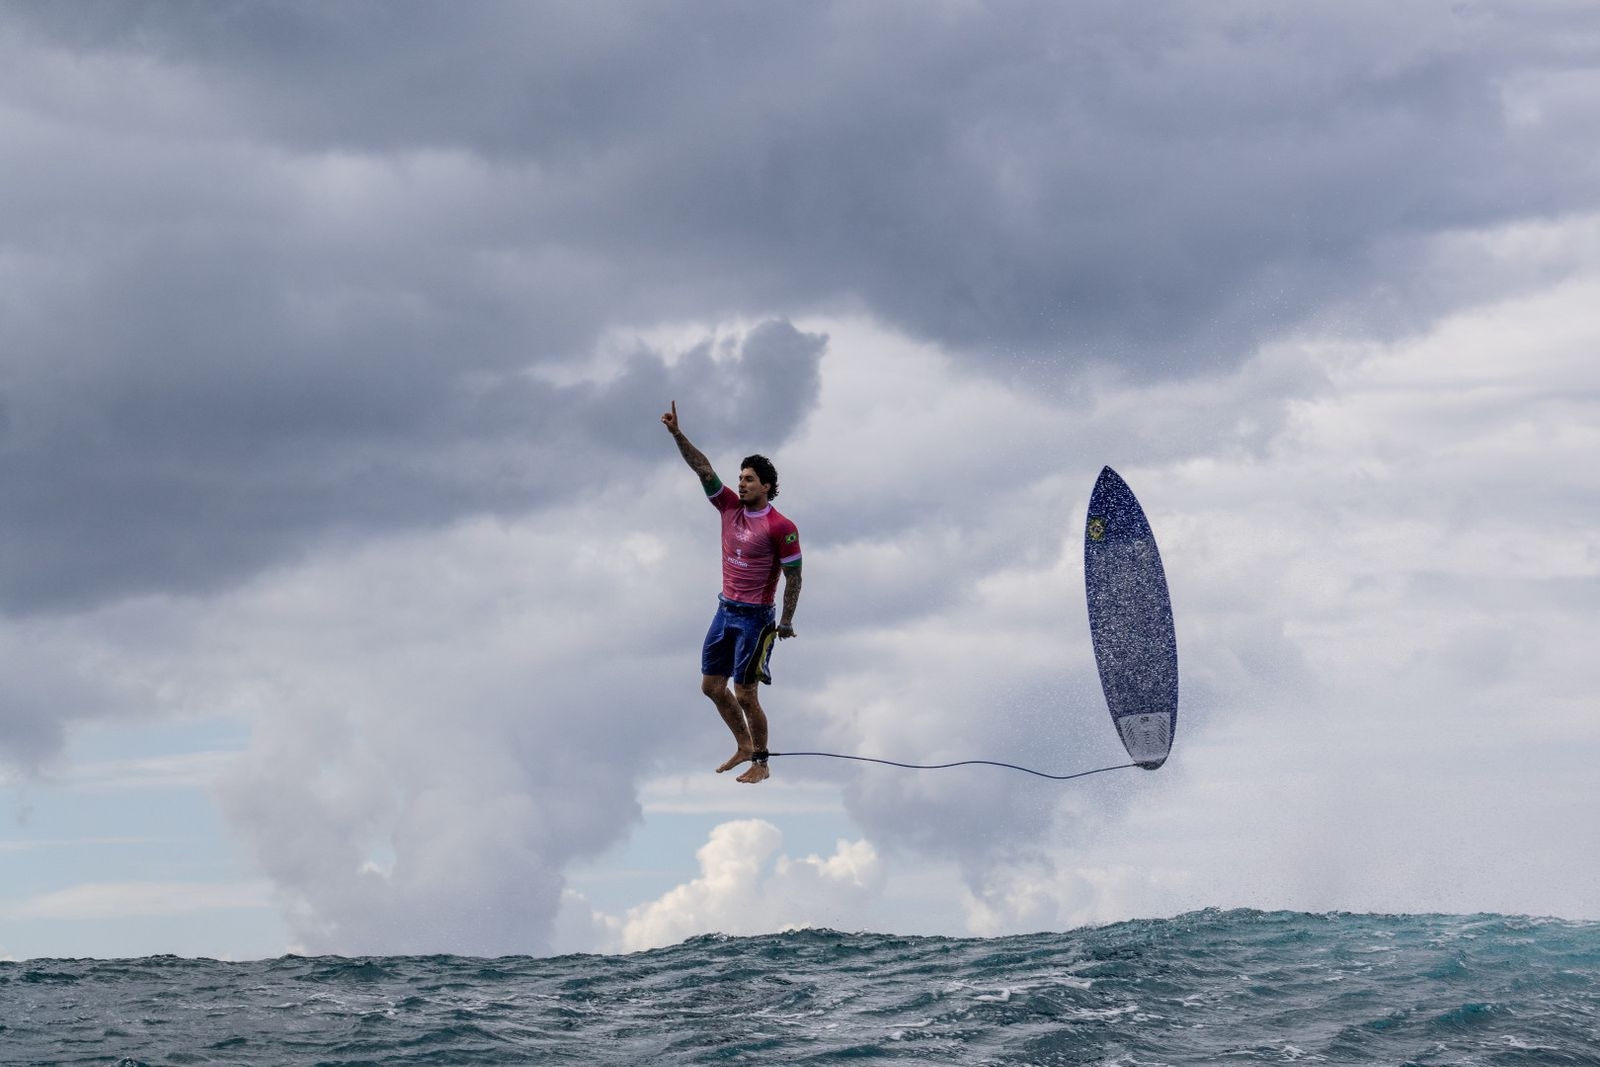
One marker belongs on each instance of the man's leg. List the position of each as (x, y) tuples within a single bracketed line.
[(750, 702), (715, 686)]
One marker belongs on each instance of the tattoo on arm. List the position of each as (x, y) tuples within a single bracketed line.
[(791, 591), (697, 462)]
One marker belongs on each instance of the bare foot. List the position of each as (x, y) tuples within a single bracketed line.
[(757, 773), (738, 757)]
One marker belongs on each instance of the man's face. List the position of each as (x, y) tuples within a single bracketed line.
[(751, 492)]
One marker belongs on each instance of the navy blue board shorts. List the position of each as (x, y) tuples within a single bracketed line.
[(739, 642)]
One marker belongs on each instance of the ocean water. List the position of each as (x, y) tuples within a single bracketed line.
[(1212, 987)]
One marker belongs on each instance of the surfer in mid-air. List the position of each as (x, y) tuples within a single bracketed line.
[(757, 544)]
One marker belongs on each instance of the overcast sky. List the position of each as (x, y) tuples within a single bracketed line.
[(352, 594)]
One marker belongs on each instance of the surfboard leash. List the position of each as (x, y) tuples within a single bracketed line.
[(959, 763)]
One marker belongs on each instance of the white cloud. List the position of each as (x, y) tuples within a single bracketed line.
[(742, 889), (1030, 897), (403, 767)]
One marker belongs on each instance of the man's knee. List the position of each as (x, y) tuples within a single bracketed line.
[(713, 685), (749, 695)]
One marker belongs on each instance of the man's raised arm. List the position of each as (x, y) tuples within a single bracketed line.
[(695, 458)]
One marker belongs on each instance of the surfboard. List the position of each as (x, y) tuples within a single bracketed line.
[(1130, 621)]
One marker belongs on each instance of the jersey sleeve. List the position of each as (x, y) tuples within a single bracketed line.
[(723, 498), (787, 538)]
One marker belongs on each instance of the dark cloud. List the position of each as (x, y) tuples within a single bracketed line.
[(750, 391), (130, 484), (272, 262), (1162, 183)]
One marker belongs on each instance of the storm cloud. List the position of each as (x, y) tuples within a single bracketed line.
[(265, 262)]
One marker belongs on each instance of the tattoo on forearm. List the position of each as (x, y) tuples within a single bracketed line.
[(697, 460), (791, 591)]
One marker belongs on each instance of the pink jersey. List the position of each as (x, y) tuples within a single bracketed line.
[(755, 545)]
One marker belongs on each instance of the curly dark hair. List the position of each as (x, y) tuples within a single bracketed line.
[(766, 473)]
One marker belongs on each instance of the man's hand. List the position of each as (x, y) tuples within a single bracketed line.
[(691, 455), (785, 631)]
